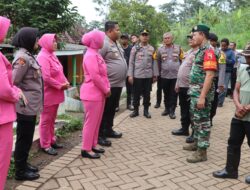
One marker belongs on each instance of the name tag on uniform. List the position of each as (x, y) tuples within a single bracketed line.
[(21, 61)]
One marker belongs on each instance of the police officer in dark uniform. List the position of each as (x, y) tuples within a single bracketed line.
[(143, 70), (127, 49)]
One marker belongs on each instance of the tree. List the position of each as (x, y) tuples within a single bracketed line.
[(172, 9), (47, 15), (133, 16), (95, 25), (180, 12), (230, 5)]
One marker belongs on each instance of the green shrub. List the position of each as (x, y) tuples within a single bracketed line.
[(11, 172), (75, 124)]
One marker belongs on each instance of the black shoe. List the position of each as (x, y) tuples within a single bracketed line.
[(180, 132), (135, 113), (57, 146), (211, 122), (247, 180), (31, 168), (85, 154), (26, 175), (50, 151), (165, 112), (117, 109), (104, 142), (224, 174), (130, 107), (190, 139), (114, 134), (98, 150), (147, 114), (172, 115), (157, 105)]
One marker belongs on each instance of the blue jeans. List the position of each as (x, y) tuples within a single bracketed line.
[(223, 94)]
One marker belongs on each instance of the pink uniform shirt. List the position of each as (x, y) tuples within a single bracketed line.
[(9, 94), (96, 84), (52, 71)]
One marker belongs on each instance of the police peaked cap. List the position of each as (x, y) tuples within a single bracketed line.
[(144, 31)]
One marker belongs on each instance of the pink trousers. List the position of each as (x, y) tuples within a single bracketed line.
[(46, 126), (6, 141), (93, 115)]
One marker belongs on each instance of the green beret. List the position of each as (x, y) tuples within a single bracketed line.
[(201, 28)]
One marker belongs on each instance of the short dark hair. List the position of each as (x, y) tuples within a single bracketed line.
[(213, 37), (234, 43), (134, 35), (109, 25), (225, 40)]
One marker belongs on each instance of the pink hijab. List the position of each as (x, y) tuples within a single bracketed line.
[(93, 39), (4, 27), (46, 42)]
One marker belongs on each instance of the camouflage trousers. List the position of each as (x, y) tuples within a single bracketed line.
[(200, 119)]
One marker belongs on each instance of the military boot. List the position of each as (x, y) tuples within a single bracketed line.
[(199, 156), (232, 164), (191, 146)]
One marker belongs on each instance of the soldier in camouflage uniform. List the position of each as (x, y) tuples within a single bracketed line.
[(202, 94)]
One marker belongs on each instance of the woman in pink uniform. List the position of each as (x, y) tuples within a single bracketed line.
[(9, 95), (93, 93), (54, 85)]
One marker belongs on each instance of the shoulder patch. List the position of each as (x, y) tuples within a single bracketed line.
[(182, 55), (155, 55), (210, 62), (222, 58), (21, 61)]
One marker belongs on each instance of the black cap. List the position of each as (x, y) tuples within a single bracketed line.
[(144, 31), (213, 37), (125, 35)]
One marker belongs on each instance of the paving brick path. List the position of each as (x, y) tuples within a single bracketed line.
[(147, 157)]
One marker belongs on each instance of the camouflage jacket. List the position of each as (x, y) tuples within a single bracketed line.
[(205, 60)]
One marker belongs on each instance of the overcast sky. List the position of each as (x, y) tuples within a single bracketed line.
[(87, 8)]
